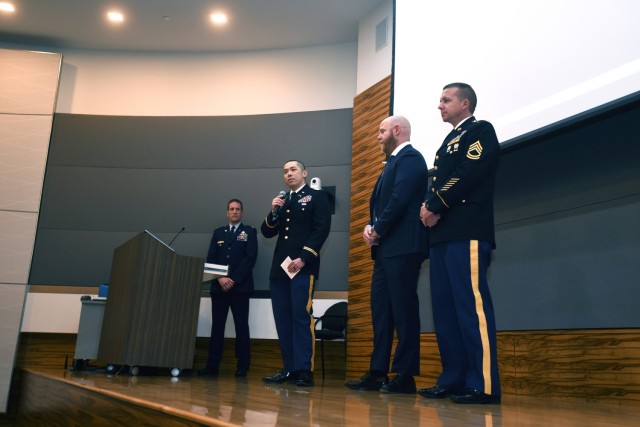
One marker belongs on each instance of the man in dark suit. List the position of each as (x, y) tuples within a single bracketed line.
[(399, 245), (459, 211), (235, 245), (301, 220)]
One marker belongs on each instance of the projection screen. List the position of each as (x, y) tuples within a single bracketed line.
[(532, 64)]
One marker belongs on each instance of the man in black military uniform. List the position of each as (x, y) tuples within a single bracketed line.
[(459, 210), (301, 219), (235, 245)]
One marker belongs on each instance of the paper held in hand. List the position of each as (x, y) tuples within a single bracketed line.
[(214, 271), (284, 266)]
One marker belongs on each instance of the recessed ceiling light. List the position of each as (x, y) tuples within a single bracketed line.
[(7, 7), (115, 16), (218, 18)]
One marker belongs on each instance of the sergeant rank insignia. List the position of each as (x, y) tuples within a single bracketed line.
[(475, 151)]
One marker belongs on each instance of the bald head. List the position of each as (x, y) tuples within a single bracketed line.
[(403, 127), (394, 130)]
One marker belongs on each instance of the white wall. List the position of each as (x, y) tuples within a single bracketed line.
[(373, 65), (277, 81), (28, 85), (42, 313)]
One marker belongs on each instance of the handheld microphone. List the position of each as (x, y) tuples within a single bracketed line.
[(276, 210), (176, 236)]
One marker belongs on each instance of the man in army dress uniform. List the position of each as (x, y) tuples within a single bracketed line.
[(301, 219), (459, 211)]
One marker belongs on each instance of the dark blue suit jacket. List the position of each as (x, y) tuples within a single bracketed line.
[(239, 251), (395, 205)]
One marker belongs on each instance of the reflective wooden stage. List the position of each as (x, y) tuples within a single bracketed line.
[(77, 398)]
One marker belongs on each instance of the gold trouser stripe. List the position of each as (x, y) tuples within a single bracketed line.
[(312, 323), (482, 319)]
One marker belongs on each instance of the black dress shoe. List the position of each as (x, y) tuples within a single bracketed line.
[(436, 392), (368, 382), (305, 379), (206, 372), (473, 396), (241, 373), (279, 378), (401, 383)]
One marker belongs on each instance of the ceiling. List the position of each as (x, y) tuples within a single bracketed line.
[(183, 25)]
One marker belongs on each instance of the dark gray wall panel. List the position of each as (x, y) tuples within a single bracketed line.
[(110, 199), (576, 269), (111, 177), (245, 142), (83, 258), (594, 162)]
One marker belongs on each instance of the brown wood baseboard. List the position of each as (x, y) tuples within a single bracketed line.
[(592, 365), (44, 351), (600, 365)]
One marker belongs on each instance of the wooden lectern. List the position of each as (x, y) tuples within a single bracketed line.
[(152, 307)]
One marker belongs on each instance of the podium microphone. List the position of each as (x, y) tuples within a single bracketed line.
[(176, 236), (276, 210)]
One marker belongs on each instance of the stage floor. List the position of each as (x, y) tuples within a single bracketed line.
[(226, 401)]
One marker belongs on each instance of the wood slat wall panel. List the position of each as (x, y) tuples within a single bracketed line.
[(599, 366), (369, 109), (44, 351), (596, 365)]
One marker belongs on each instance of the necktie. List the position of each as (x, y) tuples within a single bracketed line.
[(376, 200)]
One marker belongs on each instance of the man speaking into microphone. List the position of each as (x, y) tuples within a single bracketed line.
[(301, 218)]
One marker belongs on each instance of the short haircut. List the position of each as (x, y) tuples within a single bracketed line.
[(235, 201), (302, 166), (465, 91)]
